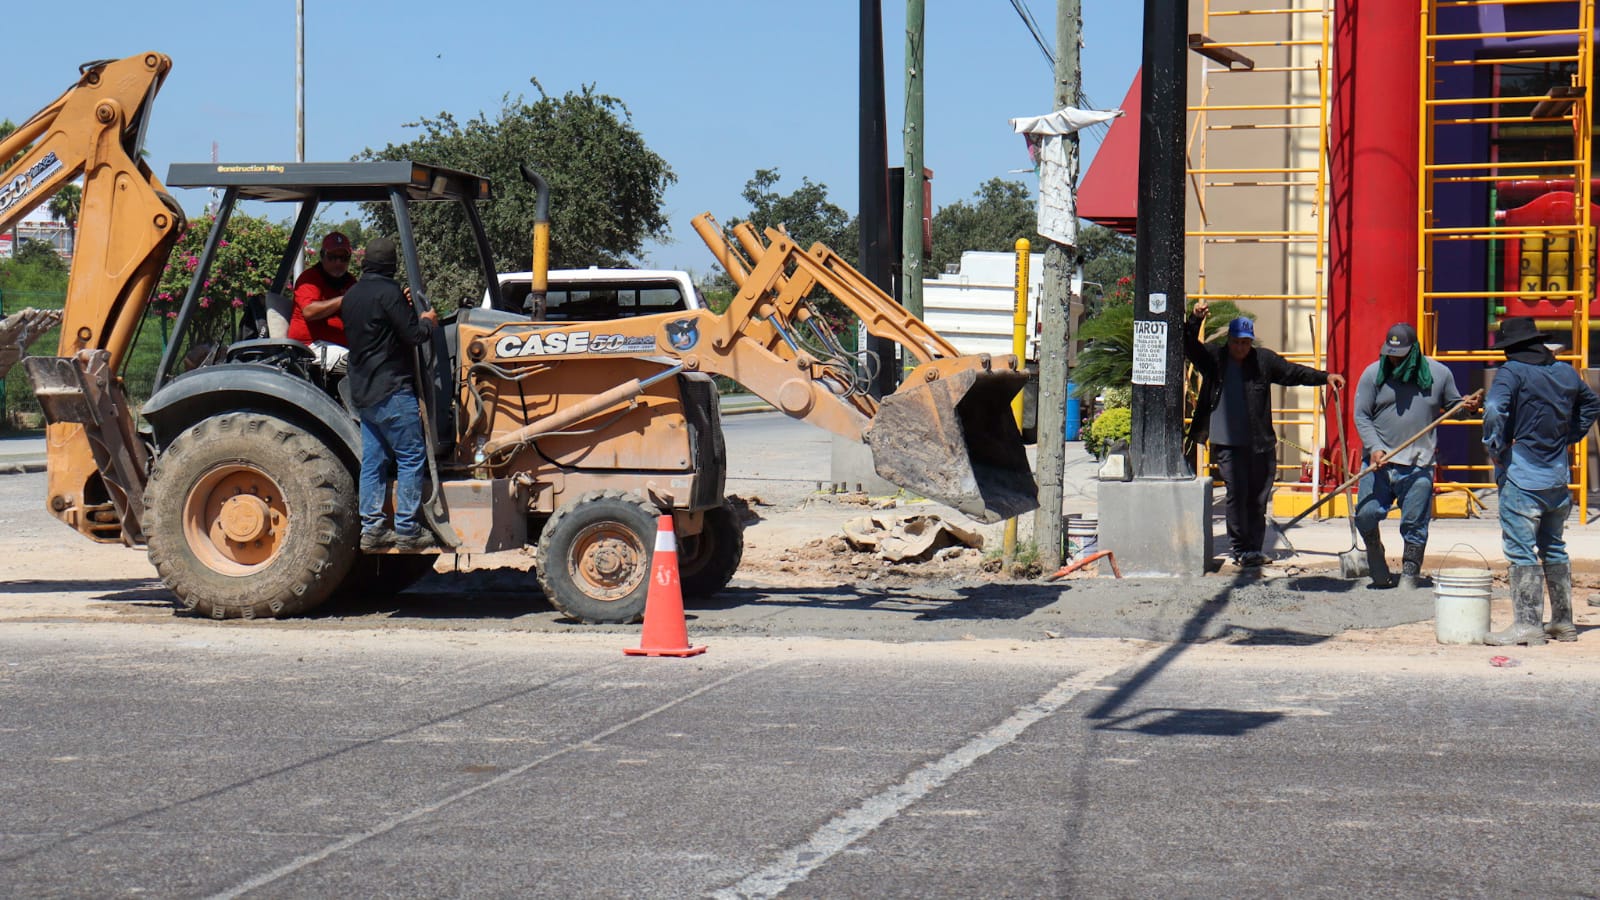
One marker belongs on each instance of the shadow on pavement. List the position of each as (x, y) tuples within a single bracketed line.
[(1208, 721), (1109, 711)]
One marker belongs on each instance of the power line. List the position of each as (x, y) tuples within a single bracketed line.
[(1099, 129)]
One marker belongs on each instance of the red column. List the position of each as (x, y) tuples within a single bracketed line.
[(1372, 253)]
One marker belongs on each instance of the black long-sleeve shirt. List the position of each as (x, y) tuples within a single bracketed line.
[(382, 327), (1261, 369)]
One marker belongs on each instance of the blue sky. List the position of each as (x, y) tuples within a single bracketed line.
[(718, 87)]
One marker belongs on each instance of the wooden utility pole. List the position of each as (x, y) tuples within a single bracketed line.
[(911, 227), (1055, 313)]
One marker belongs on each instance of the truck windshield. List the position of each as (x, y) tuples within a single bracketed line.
[(573, 301)]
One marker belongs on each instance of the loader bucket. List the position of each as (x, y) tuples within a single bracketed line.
[(955, 440)]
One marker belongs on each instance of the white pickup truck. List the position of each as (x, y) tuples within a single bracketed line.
[(595, 294)]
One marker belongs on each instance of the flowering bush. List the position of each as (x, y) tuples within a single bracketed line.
[(247, 258)]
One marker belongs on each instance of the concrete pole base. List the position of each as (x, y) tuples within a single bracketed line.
[(1157, 528)]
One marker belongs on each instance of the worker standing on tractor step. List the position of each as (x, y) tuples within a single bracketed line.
[(318, 293), (1536, 408), (1398, 396), (383, 326), (1234, 412)]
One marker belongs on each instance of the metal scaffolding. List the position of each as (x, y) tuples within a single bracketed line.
[(1464, 91), (1263, 111)]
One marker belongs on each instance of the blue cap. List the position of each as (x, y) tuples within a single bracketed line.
[(1242, 328)]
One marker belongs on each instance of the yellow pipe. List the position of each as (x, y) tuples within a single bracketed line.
[(1019, 348)]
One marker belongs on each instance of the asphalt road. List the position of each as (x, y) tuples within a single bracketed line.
[(852, 741), (184, 762)]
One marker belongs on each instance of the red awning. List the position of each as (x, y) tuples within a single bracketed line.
[(1109, 193)]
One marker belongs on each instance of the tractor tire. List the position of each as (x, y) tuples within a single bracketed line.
[(708, 560), (594, 557), (376, 575), (250, 516)]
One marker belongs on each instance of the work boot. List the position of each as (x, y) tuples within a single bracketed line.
[(1411, 566), (1558, 582), (1377, 566), (372, 541), (1527, 604), (422, 540)]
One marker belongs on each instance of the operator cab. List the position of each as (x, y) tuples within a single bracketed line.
[(256, 333)]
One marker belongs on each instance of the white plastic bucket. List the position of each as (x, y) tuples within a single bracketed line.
[(1082, 535), (1461, 605)]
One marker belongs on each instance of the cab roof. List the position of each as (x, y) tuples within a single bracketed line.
[(332, 182)]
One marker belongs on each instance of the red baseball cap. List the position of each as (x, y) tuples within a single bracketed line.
[(335, 241)]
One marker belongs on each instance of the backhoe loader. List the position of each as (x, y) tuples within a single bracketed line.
[(571, 437)]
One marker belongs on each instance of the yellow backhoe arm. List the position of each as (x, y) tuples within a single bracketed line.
[(947, 433), (127, 225)]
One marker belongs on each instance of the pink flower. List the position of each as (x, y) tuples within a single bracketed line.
[(207, 283), (205, 302), (237, 303), (172, 315), (222, 243)]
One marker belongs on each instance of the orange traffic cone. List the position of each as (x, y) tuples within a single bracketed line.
[(665, 632)]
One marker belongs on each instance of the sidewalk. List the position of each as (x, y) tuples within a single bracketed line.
[(21, 453)]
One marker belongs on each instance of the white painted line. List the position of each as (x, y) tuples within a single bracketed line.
[(797, 863), (391, 824)]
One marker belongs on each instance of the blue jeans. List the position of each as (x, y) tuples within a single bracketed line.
[(1411, 486), (391, 432), (1532, 522)]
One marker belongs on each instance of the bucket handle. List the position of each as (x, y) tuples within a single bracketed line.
[(1453, 549)]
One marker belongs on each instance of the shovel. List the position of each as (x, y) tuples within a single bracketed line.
[(1362, 474), (1352, 562)]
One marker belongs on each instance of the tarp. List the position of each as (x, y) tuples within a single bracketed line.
[(1045, 144)]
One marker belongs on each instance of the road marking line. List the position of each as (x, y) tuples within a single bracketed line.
[(391, 824), (798, 862)]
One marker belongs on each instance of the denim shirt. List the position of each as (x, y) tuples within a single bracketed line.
[(1531, 415)]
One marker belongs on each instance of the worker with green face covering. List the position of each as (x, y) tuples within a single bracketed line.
[(1398, 396)]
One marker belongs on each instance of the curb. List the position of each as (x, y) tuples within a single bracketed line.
[(22, 468)]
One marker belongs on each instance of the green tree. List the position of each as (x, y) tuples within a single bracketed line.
[(606, 188), (1000, 212), (247, 258), (66, 203), (6, 127), (805, 213), (1107, 259)]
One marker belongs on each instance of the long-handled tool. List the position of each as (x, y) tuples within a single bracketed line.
[(1472, 397), (1352, 562)]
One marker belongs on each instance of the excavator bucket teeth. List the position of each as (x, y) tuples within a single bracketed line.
[(956, 441), (20, 329)]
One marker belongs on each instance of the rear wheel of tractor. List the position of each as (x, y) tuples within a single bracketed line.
[(594, 557), (708, 560), (250, 516)]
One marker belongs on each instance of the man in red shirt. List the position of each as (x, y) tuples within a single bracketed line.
[(318, 293)]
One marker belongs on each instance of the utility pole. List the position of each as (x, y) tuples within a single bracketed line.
[(1160, 522), (911, 226), (873, 169), (299, 106), (1158, 286), (1055, 318)]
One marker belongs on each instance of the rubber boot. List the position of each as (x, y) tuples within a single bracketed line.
[(1558, 582), (1377, 566), (1527, 604), (1411, 566)]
